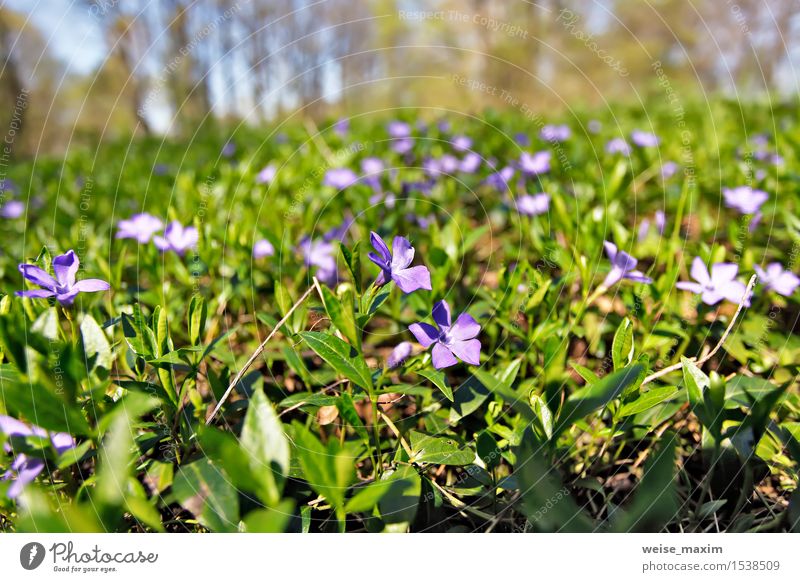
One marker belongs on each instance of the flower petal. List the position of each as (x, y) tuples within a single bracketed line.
[(38, 276), (442, 357), (410, 280), (723, 273), (690, 286), (699, 272), (441, 315), (614, 276), (625, 262), (399, 354), (28, 470), (36, 293), (66, 267), (10, 426), (403, 253), (425, 333), (468, 351), (380, 246), (611, 250), (91, 285), (638, 276), (465, 328)]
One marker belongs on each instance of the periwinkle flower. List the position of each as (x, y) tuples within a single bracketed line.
[(395, 265), (403, 145), (263, 248), (229, 149), (450, 340), (622, 267), (372, 165), (461, 143), (776, 278), (399, 354), (644, 139), (522, 139), (340, 178), (534, 164), (717, 285), (618, 145), (177, 238), (140, 226), (533, 204), (744, 199), (470, 163), (594, 126), (63, 287), (320, 254), (660, 222), (668, 169), (25, 469), (555, 133), (342, 126), (399, 129), (12, 209), (267, 174), (499, 180)]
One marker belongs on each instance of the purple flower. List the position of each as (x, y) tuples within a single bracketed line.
[(618, 145), (320, 254), (499, 180), (533, 205), (26, 468), (720, 284), (644, 227), (644, 139), (372, 166), (470, 163), (668, 169), (399, 354), (342, 126), (775, 278), (461, 143), (399, 129), (744, 199), (12, 209), (267, 175), (395, 267), (403, 145), (229, 149), (555, 133), (340, 178), (450, 341), (263, 248), (141, 226), (176, 238), (661, 221), (594, 126), (522, 139), (622, 267), (533, 165), (63, 287), (644, 230)]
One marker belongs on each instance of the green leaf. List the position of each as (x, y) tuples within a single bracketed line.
[(198, 312), (622, 346), (265, 445), (544, 416), (206, 491), (589, 376), (342, 314), (505, 392), (341, 356), (42, 407), (468, 398), (546, 502), (328, 470), (591, 398), (648, 400), (439, 450), (401, 502), (353, 261), (488, 450), (439, 380), (95, 344), (348, 411), (269, 520)]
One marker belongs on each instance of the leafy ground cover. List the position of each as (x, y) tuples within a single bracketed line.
[(466, 324)]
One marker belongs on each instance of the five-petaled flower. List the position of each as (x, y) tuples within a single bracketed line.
[(450, 340), (533, 204), (24, 468), (177, 238), (395, 266), (776, 278), (744, 199), (717, 285), (622, 267), (141, 226), (63, 287)]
